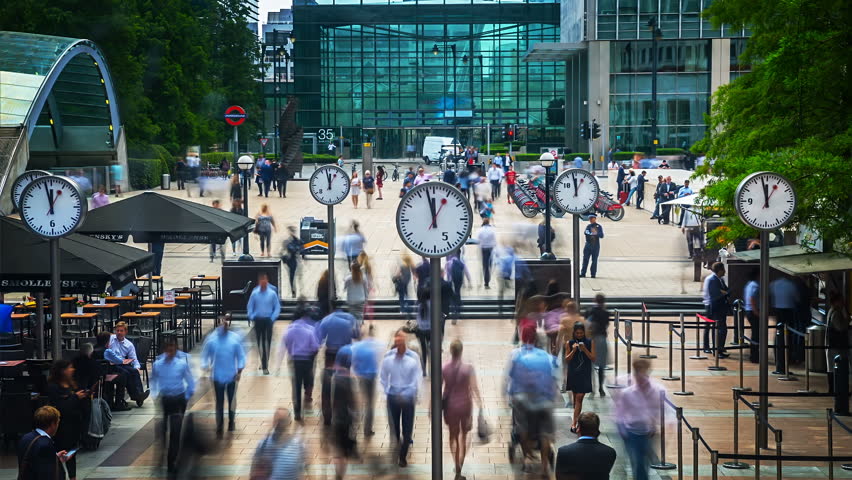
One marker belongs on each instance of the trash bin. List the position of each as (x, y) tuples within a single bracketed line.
[(816, 338), (166, 182), (313, 232)]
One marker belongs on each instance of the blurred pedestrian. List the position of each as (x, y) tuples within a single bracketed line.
[(369, 182), (237, 208), (258, 166), (401, 281), (282, 175), (751, 305), (424, 324), (324, 300), (343, 409), (74, 405), (641, 180), (353, 242), (365, 366), (487, 239), (355, 188), (464, 184), (100, 198), (598, 319), (264, 226), (213, 247), (457, 272), (172, 382), (300, 342), (236, 190), (181, 173), (290, 253), (224, 356), (495, 176), (356, 287), (542, 237), (587, 458), (593, 233), (637, 410), (580, 356), (570, 317), (281, 455), (460, 390), (336, 331), (366, 269), (264, 306), (632, 186), (381, 174), (401, 382), (836, 334), (117, 172)]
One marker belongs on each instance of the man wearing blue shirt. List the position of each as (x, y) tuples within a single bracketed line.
[(301, 344), (594, 233), (752, 313), (122, 353), (336, 330), (172, 382), (224, 355), (365, 366), (400, 376), (263, 309)]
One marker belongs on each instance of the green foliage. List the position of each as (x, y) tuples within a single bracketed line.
[(215, 158), (789, 114), (670, 151), (620, 156), (176, 64), (533, 157), (145, 173)]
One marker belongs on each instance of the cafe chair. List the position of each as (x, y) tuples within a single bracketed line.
[(143, 351)]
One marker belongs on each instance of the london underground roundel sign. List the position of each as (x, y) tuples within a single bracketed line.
[(235, 115)]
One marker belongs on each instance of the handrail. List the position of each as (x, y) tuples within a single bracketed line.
[(4, 176)]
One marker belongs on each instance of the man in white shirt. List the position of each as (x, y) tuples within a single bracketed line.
[(690, 225), (495, 176), (400, 377), (487, 239)]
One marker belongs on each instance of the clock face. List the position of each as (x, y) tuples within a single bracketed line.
[(765, 200), (576, 190), (329, 185), (21, 183), (53, 206), (434, 219)]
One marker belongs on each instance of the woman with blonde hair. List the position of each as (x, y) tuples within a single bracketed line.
[(264, 226), (355, 188), (460, 389), (357, 290)]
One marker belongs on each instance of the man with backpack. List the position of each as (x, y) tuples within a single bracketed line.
[(290, 256), (456, 273)]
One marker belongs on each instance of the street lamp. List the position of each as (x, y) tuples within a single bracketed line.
[(245, 163), (547, 162), (656, 34)]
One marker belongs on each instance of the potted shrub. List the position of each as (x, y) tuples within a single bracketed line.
[(79, 304), (102, 298)]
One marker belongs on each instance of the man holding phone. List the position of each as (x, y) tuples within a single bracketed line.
[(37, 455), (173, 384)]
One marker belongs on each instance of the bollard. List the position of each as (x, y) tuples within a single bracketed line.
[(663, 465), (671, 376), (788, 377), (780, 350), (616, 324), (756, 444), (807, 388), (695, 454), (736, 464), (830, 443), (714, 460), (841, 385), (698, 355), (679, 415), (646, 337), (718, 349), (683, 391), (779, 465)]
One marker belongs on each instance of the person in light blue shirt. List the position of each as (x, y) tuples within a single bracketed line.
[(336, 330), (400, 377), (123, 356), (684, 190), (172, 383), (224, 355), (264, 305), (365, 366), (751, 303), (578, 162)]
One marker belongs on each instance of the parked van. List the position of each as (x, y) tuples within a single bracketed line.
[(436, 147)]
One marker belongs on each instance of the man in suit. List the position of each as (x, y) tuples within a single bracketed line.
[(668, 191), (37, 455), (716, 301), (587, 458)]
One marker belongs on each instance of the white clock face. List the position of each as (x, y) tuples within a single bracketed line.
[(765, 200), (21, 183), (329, 185), (53, 206), (576, 190), (434, 219)]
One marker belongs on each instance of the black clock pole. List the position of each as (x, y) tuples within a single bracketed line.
[(575, 268), (56, 301), (40, 324), (331, 285), (763, 380), (435, 360)]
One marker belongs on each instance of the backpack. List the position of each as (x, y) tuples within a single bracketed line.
[(457, 270), (264, 224)]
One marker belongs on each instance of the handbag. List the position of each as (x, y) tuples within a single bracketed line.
[(482, 428)]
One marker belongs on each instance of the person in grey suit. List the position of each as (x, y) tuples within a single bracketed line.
[(587, 458)]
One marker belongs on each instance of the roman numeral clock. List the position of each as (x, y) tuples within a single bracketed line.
[(434, 219), (765, 201), (53, 206)]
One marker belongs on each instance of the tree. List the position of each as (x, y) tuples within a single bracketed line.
[(790, 114)]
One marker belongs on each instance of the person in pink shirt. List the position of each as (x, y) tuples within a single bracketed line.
[(421, 177), (637, 410), (100, 198)]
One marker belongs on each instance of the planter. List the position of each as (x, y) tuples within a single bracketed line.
[(79, 310), (102, 301)]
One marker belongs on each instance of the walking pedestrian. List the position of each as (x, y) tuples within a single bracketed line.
[(587, 458), (173, 383), (300, 342), (464, 184), (658, 198), (381, 174), (751, 306), (511, 181), (353, 242), (836, 334), (580, 356), (324, 300), (487, 239), (38, 455), (716, 302), (365, 366), (73, 404), (356, 287), (401, 382), (282, 175), (619, 178), (279, 456), (369, 187), (667, 192), (456, 272), (264, 226), (495, 176), (598, 318), (401, 281), (594, 233), (236, 190), (290, 253), (237, 207), (100, 198), (213, 247), (336, 331), (542, 237), (641, 180), (460, 390), (224, 356), (343, 410), (267, 175), (258, 166), (264, 306), (638, 416), (355, 188), (424, 323), (181, 173)]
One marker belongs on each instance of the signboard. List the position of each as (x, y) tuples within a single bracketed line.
[(263, 142), (169, 297), (235, 115)]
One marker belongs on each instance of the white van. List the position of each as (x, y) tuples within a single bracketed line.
[(434, 147)]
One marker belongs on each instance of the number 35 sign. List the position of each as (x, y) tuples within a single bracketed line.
[(325, 134)]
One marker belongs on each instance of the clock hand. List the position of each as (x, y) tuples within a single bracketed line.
[(435, 221), (774, 188), (49, 193), (431, 209), (328, 177), (574, 177), (765, 194)]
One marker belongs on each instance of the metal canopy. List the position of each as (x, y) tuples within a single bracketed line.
[(774, 252), (553, 52), (796, 260)]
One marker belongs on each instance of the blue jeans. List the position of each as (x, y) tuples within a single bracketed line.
[(630, 195), (639, 451)]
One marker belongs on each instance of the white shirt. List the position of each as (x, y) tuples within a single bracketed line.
[(495, 174), (401, 375), (632, 181), (486, 237), (690, 219), (42, 432), (192, 161), (483, 191)]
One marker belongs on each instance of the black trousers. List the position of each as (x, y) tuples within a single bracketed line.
[(327, 373), (486, 264), (303, 376), (640, 197), (721, 326), (266, 184), (221, 389), (173, 410), (282, 188), (368, 389), (754, 323), (425, 337), (263, 333), (401, 419), (292, 264), (133, 380)]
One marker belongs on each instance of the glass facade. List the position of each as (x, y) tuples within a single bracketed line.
[(394, 82), (628, 20), (683, 92)]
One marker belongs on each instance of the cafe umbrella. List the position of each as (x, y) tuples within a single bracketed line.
[(87, 264)]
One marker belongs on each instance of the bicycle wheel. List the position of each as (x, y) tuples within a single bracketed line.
[(529, 211), (615, 215)]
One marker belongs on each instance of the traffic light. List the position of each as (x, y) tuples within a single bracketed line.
[(596, 129), (511, 133), (505, 133), (584, 130)]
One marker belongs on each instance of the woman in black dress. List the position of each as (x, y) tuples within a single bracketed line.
[(580, 356), (73, 405)]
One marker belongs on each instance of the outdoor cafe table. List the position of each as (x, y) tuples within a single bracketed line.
[(111, 308), (199, 280), (187, 305), (156, 283), (195, 306), (77, 317)]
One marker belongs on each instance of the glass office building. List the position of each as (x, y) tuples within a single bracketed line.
[(392, 73)]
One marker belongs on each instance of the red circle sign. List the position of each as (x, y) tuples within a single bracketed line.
[(235, 115)]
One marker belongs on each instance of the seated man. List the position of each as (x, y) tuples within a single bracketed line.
[(122, 354), (114, 388), (587, 458)]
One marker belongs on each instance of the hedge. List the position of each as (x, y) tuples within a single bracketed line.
[(533, 157), (215, 158), (319, 158), (670, 151), (144, 173)]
